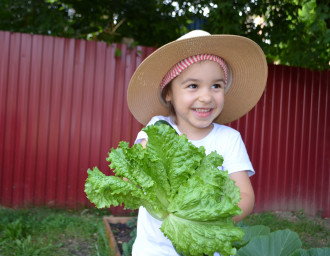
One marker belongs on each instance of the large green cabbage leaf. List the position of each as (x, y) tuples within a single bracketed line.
[(260, 241), (278, 243), (178, 184)]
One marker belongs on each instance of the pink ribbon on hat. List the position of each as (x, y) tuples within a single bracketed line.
[(185, 63)]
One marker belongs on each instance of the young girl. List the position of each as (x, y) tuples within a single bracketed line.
[(197, 83)]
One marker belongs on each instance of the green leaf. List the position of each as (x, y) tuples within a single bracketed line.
[(251, 232), (208, 195), (172, 158), (118, 52), (105, 191), (197, 237), (278, 243)]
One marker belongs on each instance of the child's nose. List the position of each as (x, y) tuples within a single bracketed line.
[(205, 96)]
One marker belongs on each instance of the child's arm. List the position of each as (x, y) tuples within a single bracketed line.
[(242, 180)]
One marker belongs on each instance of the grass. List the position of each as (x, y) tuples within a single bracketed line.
[(43, 231)]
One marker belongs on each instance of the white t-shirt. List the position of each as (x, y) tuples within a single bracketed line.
[(150, 241)]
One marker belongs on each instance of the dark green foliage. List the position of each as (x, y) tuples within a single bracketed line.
[(291, 32)]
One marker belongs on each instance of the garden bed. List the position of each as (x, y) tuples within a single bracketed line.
[(118, 232)]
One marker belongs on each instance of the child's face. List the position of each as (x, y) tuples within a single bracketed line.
[(197, 95)]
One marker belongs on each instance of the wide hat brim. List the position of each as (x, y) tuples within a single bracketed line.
[(245, 58)]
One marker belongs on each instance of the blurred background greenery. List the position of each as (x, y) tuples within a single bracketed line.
[(291, 32)]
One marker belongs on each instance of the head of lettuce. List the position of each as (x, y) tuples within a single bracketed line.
[(178, 184)]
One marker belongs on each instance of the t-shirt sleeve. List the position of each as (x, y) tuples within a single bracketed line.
[(236, 157), (141, 136)]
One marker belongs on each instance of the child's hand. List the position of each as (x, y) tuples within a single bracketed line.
[(144, 143)]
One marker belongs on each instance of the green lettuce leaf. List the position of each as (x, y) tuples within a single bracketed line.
[(178, 184)]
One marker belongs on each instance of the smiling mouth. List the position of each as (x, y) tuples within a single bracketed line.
[(203, 110)]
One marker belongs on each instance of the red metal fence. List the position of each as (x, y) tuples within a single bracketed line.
[(63, 106)]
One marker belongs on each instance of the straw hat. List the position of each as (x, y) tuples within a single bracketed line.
[(247, 74)]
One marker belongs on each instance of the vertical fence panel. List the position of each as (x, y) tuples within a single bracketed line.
[(4, 60), (10, 119), (86, 112), (21, 120), (62, 185), (75, 123), (33, 121), (63, 106), (291, 150)]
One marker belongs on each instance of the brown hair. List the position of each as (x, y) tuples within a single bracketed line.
[(163, 94)]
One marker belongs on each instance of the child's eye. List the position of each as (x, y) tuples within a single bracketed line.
[(192, 86), (218, 86)]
